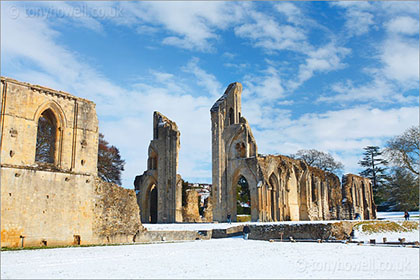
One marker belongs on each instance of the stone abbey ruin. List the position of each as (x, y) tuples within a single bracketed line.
[(281, 188), (51, 194)]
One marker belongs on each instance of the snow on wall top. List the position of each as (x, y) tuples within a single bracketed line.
[(224, 96)]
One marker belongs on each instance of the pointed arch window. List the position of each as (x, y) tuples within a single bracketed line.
[(231, 116), (46, 138)]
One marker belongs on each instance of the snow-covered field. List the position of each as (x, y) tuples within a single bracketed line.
[(410, 236), (216, 258), (414, 216), (222, 258)]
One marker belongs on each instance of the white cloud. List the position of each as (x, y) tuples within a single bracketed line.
[(322, 59), (359, 18), (404, 24), (291, 11), (264, 88), (266, 32), (208, 81), (342, 132), (397, 56), (191, 25), (377, 90), (400, 57)]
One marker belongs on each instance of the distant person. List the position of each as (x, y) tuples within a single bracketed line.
[(246, 231), (357, 216), (406, 216), (229, 219)]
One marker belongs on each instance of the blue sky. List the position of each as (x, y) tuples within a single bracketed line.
[(333, 76)]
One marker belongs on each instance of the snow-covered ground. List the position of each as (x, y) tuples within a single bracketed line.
[(216, 258), (410, 236), (391, 236), (414, 216)]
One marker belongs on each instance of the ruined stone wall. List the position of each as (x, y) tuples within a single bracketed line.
[(280, 188), (295, 191), (116, 213), (45, 206), (358, 197), (208, 211), (77, 127), (190, 212), (49, 204), (46, 202), (161, 174)]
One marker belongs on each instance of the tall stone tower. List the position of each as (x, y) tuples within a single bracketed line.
[(159, 189), (231, 139)]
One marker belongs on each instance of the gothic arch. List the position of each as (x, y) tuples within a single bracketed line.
[(233, 149), (56, 109), (145, 199), (53, 118), (246, 173)]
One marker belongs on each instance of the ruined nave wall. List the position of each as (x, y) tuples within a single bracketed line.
[(60, 202)]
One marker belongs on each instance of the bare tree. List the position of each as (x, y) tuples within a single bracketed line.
[(403, 150), (324, 161)]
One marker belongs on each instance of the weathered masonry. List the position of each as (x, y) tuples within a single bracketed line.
[(159, 189), (279, 188), (50, 194), (358, 197)]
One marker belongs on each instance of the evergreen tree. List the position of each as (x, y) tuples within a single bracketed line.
[(110, 164), (402, 191), (375, 170)]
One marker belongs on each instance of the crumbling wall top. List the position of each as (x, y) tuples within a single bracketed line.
[(162, 121), (233, 87)]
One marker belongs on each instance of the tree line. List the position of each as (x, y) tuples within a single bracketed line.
[(394, 171)]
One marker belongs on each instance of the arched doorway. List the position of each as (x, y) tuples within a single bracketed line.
[(153, 203), (243, 197)]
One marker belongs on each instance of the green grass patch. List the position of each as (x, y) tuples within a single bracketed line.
[(386, 226), (243, 218)]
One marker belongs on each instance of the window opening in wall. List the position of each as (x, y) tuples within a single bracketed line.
[(240, 150), (153, 205), (46, 137), (231, 116)]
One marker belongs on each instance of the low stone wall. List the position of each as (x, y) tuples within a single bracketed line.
[(228, 232), (159, 236), (338, 231)]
